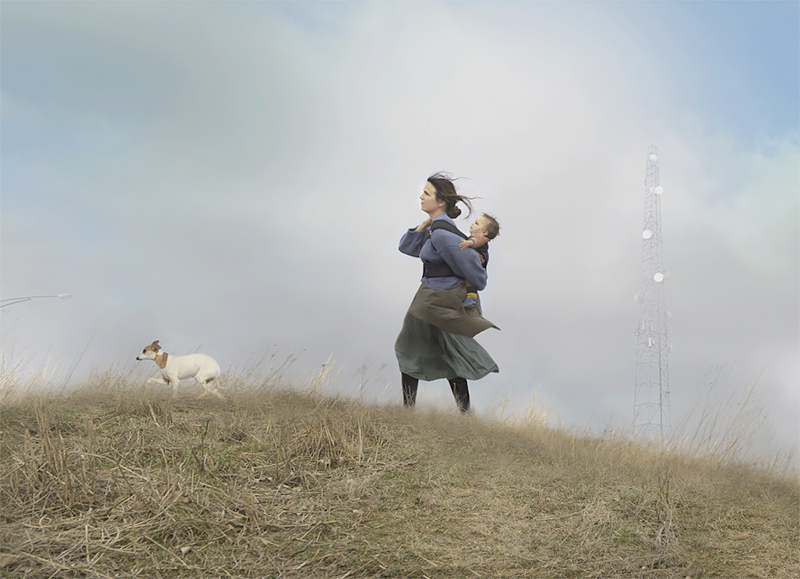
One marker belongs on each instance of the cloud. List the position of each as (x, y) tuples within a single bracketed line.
[(237, 177)]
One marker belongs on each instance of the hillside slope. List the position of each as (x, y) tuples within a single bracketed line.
[(272, 483)]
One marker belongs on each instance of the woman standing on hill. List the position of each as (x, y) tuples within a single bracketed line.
[(437, 339)]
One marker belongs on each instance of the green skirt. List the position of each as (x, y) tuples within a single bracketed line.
[(445, 310), (427, 353), (436, 340)]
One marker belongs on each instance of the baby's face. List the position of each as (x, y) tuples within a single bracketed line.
[(479, 226)]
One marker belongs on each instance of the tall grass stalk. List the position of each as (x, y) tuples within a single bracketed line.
[(730, 425)]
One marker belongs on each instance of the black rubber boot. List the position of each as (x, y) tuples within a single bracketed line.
[(409, 389), (460, 393)]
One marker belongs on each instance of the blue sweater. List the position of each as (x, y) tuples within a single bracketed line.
[(465, 263)]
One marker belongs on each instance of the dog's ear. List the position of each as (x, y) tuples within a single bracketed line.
[(155, 346)]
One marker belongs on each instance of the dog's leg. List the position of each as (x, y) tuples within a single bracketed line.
[(156, 380), (214, 389), (205, 387), (174, 382), (209, 387)]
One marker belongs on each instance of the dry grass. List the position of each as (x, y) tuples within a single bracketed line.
[(730, 425), (114, 480)]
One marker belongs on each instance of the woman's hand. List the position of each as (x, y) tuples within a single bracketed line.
[(424, 225)]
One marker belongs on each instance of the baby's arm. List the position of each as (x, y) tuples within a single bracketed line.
[(474, 241)]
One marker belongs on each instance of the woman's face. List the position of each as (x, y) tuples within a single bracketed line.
[(429, 202)]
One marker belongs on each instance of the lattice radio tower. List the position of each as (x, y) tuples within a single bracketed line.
[(651, 414)]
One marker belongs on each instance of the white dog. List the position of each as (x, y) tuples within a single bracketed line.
[(202, 368)]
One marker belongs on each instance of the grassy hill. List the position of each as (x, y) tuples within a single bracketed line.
[(113, 481)]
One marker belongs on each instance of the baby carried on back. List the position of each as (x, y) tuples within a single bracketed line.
[(481, 232)]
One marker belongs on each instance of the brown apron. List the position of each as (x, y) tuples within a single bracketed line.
[(445, 310)]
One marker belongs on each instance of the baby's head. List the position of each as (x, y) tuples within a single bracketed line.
[(485, 225)]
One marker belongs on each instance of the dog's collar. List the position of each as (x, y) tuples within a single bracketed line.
[(161, 360)]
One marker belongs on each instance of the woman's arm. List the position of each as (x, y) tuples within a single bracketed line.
[(465, 264), (412, 241)]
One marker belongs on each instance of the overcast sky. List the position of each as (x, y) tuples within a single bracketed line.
[(235, 177)]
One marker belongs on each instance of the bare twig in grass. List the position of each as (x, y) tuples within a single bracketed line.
[(63, 567)]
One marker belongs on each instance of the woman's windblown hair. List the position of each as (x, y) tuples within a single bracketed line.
[(446, 191)]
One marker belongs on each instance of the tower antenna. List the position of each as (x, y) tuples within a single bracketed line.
[(651, 414)]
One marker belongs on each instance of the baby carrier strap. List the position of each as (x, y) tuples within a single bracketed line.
[(446, 225), (440, 269), (483, 250)]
